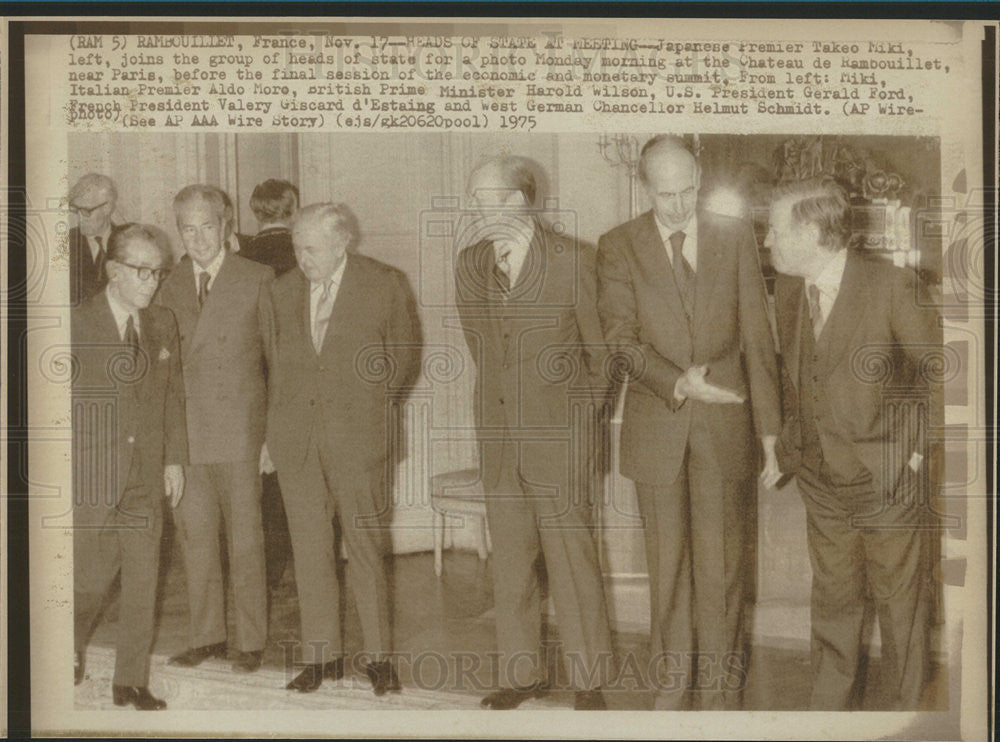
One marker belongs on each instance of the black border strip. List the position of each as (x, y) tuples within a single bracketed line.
[(990, 92), (18, 615)]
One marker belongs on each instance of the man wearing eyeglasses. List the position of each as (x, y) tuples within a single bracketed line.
[(92, 199), (129, 447), (682, 304), (218, 299)]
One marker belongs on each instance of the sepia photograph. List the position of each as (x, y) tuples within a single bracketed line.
[(535, 367)]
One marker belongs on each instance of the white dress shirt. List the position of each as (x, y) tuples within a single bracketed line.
[(690, 247), (212, 269), (828, 282), (121, 315), (316, 292)]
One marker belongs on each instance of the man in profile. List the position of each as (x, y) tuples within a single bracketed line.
[(274, 203), (129, 447), (339, 320), (93, 199), (682, 302), (860, 339), (527, 302), (220, 301)]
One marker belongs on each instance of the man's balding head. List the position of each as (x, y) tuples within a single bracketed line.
[(93, 198), (671, 177)]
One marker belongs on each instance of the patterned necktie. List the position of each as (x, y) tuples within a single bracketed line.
[(501, 271), (132, 338), (683, 273), (323, 309), (815, 311), (203, 279)]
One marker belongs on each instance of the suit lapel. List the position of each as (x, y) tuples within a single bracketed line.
[(846, 313), (215, 302), (652, 260), (789, 292), (707, 273), (345, 301)]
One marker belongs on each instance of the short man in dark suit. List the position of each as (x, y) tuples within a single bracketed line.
[(274, 202), (338, 319), (527, 301), (220, 302), (129, 447), (92, 198), (858, 339), (682, 303)]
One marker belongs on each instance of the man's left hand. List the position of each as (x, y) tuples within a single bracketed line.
[(771, 472), (173, 480)]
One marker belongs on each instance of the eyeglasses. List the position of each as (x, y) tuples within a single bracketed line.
[(85, 211), (144, 272)]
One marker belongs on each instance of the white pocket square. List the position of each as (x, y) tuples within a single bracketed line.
[(164, 354)]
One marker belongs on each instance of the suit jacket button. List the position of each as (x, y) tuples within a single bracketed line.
[(501, 400), (131, 439)]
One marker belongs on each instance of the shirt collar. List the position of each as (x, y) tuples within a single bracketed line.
[(690, 230), (121, 314), (828, 280), (213, 267), (335, 279)]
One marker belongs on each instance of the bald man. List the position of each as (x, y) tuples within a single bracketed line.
[(527, 301), (681, 300), (93, 199)]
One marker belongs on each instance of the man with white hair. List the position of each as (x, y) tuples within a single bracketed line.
[(93, 199), (345, 347)]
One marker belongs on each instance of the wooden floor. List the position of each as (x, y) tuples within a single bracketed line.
[(444, 634)]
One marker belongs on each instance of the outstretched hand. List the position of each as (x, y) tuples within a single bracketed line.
[(692, 385)]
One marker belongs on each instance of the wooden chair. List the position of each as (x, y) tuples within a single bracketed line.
[(457, 494)]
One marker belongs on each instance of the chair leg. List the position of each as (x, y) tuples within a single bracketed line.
[(484, 539), (438, 542)]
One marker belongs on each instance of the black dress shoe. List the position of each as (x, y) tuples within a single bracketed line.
[(312, 677), (195, 656), (141, 698), (510, 698), (248, 661), (78, 668), (589, 700), (383, 677)]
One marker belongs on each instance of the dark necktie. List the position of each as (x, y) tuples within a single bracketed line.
[(203, 280), (815, 311), (101, 255), (683, 273), (132, 338), (501, 272)]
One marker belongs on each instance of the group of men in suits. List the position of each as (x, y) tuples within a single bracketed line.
[(246, 374), (182, 373)]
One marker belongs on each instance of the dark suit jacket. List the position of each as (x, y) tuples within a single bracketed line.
[(272, 247), (86, 278), (883, 336), (222, 349), (370, 357), (647, 329), (122, 411), (552, 358)]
